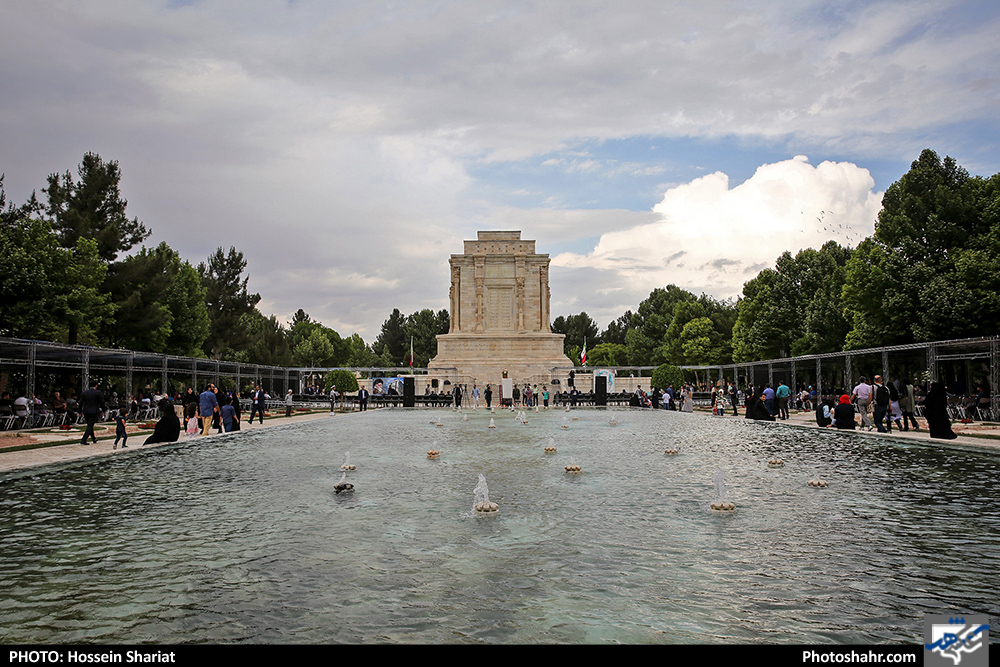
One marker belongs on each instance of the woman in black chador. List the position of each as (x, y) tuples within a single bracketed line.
[(936, 412), (168, 429)]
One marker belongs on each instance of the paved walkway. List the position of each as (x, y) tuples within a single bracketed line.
[(808, 420), (66, 453)]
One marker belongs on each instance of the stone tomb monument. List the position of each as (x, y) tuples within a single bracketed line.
[(499, 314)]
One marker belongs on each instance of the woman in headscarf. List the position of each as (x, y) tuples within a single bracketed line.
[(936, 412), (843, 414), (168, 429), (824, 412), (750, 400)]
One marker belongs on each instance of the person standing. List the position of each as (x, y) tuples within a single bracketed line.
[(734, 397), (688, 393), (782, 394), (288, 403), (190, 403), (488, 395), (862, 395), (363, 399), (936, 412), (208, 405), (475, 396), (908, 405), (881, 398), (121, 433), (228, 414), (92, 403), (257, 404), (333, 399), (237, 409)]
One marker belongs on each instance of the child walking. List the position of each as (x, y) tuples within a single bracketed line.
[(120, 432)]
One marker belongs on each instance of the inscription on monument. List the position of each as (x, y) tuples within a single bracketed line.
[(499, 310)]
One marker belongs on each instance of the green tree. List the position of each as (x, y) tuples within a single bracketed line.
[(79, 307), (185, 298), (227, 299), (392, 343), (422, 328), (361, 354), (576, 328), (794, 308), (344, 381), (700, 343), (666, 375), (928, 272), (607, 354), (269, 341), (314, 350), (617, 330), (160, 303), (93, 208), (314, 344)]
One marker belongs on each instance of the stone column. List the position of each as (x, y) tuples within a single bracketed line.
[(480, 305), (519, 291), (543, 291), (454, 295)]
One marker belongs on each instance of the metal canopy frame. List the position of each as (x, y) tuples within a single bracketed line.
[(31, 356)]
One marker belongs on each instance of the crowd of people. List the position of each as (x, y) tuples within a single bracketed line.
[(876, 406), (197, 412)]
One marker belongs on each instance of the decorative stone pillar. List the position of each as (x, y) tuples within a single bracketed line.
[(543, 291), (480, 304), (519, 287), (454, 295)]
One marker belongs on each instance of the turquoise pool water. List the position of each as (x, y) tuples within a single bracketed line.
[(240, 538)]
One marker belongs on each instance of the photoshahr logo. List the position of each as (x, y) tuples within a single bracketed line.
[(957, 640)]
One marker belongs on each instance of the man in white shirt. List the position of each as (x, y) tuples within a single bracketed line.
[(863, 395)]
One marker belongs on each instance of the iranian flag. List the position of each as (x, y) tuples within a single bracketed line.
[(411, 353), (583, 355)]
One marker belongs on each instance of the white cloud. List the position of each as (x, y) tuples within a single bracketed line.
[(711, 238), (313, 135)]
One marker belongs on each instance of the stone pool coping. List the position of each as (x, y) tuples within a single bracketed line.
[(29, 459)]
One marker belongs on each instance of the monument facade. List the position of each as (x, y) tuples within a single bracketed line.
[(499, 305)]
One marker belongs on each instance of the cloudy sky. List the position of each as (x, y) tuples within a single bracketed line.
[(347, 148)]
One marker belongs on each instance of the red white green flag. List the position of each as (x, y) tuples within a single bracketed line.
[(583, 355), (411, 352)]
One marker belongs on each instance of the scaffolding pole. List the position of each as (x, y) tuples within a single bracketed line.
[(129, 363), (85, 373), (994, 369), (31, 378)]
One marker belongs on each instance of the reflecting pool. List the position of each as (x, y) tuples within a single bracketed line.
[(240, 538)]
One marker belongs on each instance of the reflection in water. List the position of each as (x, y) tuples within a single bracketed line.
[(242, 538)]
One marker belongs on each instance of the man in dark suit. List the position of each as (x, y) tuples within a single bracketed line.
[(363, 398), (92, 404), (257, 404)]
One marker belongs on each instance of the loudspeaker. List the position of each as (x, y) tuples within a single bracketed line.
[(409, 394), (601, 390)]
